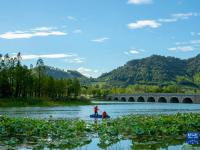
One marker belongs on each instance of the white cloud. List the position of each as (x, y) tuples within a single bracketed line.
[(144, 23), (49, 56), (181, 48), (138, 2), (71, 18), (195, 42), (192, 43), (157, 23), (172, 49), (181, 43), (100, 40), (134, 51), (15, 35), (35, 32), (77, 31), (69, 57), (184, 15), (186, 46), (43, 28), (88, 72), (167, 20), (75, 60), (48, 33), (126, 53), (177, 17)]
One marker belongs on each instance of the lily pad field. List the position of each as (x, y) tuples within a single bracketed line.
[(142, 130)]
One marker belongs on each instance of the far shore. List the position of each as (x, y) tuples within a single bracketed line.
[(41, 102)]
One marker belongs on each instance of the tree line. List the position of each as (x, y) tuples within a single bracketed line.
[(181, 85), (19, 81)]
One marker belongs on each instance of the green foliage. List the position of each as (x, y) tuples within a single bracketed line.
[(197, 78), (20, 82), (68, 134), (40, 133), (151, 128), (154, 70), (137, 89)]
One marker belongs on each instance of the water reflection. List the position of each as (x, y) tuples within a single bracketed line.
[(172, 144), (125, 145)]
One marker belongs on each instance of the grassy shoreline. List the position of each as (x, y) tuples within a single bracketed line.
[(41, 102), (73, 133)]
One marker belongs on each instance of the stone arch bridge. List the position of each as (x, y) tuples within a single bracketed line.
[(156, 97)]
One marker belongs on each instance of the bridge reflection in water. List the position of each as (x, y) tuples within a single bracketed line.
[(156, 97)]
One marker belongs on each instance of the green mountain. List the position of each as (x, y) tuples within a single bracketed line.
[(152, 70), (69, 74)]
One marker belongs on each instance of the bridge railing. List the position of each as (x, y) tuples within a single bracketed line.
[(155, 94)]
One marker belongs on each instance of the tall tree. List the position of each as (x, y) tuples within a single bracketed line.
[(40, 71), (18, 76), (76, 87)]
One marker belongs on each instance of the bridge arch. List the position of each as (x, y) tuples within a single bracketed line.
[(174, 100), (131, 99), (140, 99), (151, 99), (158, 97), (187, 100), (123, 99), (116, 99), (162, 100)]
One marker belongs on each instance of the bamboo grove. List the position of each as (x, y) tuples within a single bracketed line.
[(20, 81)]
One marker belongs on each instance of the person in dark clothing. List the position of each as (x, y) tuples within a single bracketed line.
[(96, 110)]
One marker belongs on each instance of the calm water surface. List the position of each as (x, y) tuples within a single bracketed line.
[(113, 109)]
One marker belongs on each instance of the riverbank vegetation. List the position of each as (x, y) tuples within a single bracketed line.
[(73, 133), (21, 86), (42, 102)]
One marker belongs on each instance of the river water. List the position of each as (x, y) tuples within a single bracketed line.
[(113, 109)]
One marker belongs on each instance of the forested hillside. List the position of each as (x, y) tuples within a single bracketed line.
[(69, 74), (154, 70)]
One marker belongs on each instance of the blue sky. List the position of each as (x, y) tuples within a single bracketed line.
[(96, 36)]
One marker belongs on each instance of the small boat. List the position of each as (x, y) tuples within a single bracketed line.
[(98, 116)]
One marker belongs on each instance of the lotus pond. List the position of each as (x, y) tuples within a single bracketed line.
[(127, 132)]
